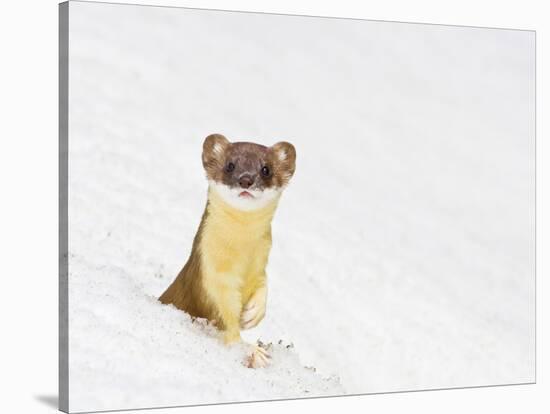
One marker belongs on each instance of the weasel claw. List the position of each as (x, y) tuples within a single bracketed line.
[(259, 358)]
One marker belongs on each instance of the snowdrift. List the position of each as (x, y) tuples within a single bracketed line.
[(130, 351)]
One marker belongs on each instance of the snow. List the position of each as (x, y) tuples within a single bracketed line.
[(403, 249)]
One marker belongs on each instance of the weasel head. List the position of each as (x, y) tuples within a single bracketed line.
[(245, 175)]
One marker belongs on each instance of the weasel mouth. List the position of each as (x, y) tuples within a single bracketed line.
[(245, 194)]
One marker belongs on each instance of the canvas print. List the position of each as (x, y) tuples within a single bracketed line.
[(260, 207)]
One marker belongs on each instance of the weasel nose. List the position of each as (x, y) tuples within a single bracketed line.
[(246, 181)]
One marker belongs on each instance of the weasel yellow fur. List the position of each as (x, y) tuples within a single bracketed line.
[(224, 279)]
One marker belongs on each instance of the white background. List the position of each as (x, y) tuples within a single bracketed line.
[(29, 206)]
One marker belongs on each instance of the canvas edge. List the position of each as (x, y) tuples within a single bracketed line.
[(63, 207)]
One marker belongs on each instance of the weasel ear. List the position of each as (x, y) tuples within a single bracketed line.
[(213, 150), (284, 160)]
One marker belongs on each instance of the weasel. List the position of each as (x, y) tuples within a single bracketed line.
[(224, 279)]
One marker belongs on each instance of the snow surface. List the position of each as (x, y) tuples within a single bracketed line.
[(403, 254)]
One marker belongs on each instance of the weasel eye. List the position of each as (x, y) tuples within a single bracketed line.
[(265, 171), (230, 167)]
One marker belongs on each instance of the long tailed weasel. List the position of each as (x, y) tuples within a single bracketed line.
[(224, 279)]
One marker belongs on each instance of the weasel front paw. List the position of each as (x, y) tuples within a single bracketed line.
[(254, 311), (259, 358)]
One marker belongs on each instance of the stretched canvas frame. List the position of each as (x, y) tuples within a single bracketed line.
[(453, 182)]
